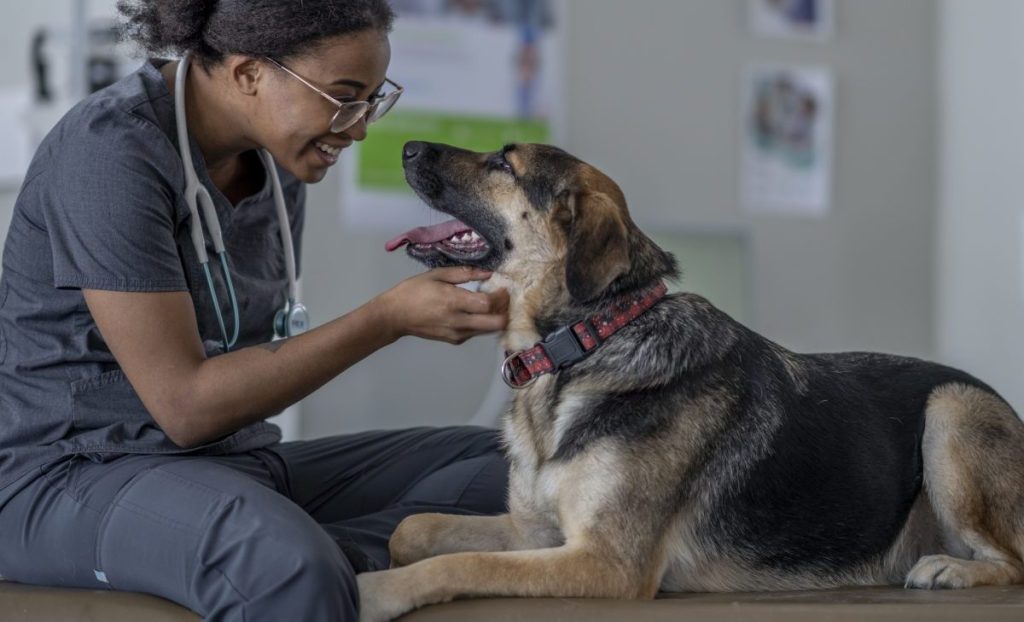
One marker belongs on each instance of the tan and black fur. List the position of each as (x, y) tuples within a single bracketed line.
[(688, 453)]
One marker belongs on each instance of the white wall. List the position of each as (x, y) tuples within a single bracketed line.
[(980, 259)]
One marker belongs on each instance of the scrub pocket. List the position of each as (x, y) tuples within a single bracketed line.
[(104, 400), (152, 536)]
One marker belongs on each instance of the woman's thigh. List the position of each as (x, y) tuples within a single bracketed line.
[(342, 477), (50, 528), (193, 530)]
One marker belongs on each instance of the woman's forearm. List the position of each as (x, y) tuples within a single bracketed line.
[(235, 389)]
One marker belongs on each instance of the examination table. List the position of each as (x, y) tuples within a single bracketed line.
[(21, 603)]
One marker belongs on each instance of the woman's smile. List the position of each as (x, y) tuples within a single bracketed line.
[(328, 153)]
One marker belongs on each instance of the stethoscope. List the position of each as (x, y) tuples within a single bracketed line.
[(293, 318)]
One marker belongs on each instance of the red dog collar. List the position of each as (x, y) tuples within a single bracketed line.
[(570, 344)]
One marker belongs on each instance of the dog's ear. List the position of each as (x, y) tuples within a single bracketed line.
[(598, 249)]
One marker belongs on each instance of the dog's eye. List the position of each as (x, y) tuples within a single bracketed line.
[(499, 163)]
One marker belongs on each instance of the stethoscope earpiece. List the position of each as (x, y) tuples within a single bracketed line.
[(293, 319)]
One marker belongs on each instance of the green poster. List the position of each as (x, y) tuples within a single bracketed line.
[(380, 159)]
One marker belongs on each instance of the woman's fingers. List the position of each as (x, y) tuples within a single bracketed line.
[(434, 308), (480, 313), (484, 322), (498, 301), (490, 302), (471, 325), (460, 274)]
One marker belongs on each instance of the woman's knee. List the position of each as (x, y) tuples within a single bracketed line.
[(219, 542), (282, 572)]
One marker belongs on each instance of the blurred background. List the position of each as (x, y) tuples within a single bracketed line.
[(836, 175)]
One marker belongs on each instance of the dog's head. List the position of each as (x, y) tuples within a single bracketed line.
[(536, 216)]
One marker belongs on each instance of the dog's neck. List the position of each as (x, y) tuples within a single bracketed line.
[(528, 302), (534, 312), (547, 340)]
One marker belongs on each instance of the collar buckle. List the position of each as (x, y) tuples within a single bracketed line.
[(563, 347)]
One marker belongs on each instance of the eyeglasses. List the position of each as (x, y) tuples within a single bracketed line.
[(349, 113)]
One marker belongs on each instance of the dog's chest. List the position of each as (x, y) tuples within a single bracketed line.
[(534, 431), (540, 419)]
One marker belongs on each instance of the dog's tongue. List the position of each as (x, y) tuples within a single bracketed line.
[(428, 235)]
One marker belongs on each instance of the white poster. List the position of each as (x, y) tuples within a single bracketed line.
[(477, 74), (793, 19), (787, 140)]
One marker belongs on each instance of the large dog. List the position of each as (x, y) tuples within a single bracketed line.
[(686, 452)]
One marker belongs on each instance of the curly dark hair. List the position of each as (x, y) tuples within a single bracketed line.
[(212, 29)]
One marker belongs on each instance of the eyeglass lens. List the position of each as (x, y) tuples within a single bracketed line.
[(350, 114)]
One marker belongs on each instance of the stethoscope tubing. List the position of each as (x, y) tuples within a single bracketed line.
[(197, 196)]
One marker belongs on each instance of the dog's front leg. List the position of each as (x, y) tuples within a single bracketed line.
[(428, 535), (564, 572)]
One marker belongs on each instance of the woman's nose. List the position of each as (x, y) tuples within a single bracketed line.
[(357, 131)]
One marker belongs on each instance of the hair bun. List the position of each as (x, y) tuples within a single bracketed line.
[(212, 29), (160, 26)]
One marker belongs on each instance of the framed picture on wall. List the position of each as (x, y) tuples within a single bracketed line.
[(793, 19), (787, 119)]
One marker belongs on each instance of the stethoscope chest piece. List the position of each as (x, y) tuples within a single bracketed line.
[(291, 321)]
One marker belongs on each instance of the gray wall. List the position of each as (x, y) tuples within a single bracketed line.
[(653, 91), (657, 83), (980, 263)]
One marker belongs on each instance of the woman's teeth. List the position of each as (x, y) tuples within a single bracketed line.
[(329, 150)]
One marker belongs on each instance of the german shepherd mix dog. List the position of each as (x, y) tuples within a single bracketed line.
[(685, 452)]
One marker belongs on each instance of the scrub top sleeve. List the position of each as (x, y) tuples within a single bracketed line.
[(111, 216)]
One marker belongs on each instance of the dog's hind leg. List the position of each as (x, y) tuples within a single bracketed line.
[(973, 450)]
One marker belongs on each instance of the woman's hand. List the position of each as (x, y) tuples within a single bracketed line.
[(430, 306)]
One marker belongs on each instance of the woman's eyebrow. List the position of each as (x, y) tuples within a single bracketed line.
[(347, 82)]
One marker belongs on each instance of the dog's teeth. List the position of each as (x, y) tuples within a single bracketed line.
[(474, 236)]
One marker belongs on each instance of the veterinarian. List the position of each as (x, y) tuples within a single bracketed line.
[(135, 377)]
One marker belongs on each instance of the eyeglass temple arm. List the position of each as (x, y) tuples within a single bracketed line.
[(397, 86), (306, 82)]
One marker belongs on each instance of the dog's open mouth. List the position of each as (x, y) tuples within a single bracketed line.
[(453, 239)]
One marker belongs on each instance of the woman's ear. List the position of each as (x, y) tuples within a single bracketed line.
[(598, 249), (246, 73)]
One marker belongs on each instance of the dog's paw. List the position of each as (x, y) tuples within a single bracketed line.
[(381, 597), (937, 572)]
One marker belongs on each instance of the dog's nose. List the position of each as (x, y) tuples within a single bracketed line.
[(412, 150)]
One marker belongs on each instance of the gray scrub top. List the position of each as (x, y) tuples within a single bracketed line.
[(102, 208)]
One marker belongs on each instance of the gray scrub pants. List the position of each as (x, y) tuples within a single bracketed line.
[(262, 535)]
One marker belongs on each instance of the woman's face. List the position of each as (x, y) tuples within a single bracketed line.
[(293, 119)]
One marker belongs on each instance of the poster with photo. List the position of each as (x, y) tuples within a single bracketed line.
[(477, 74), (793, 19), (787, 125)]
